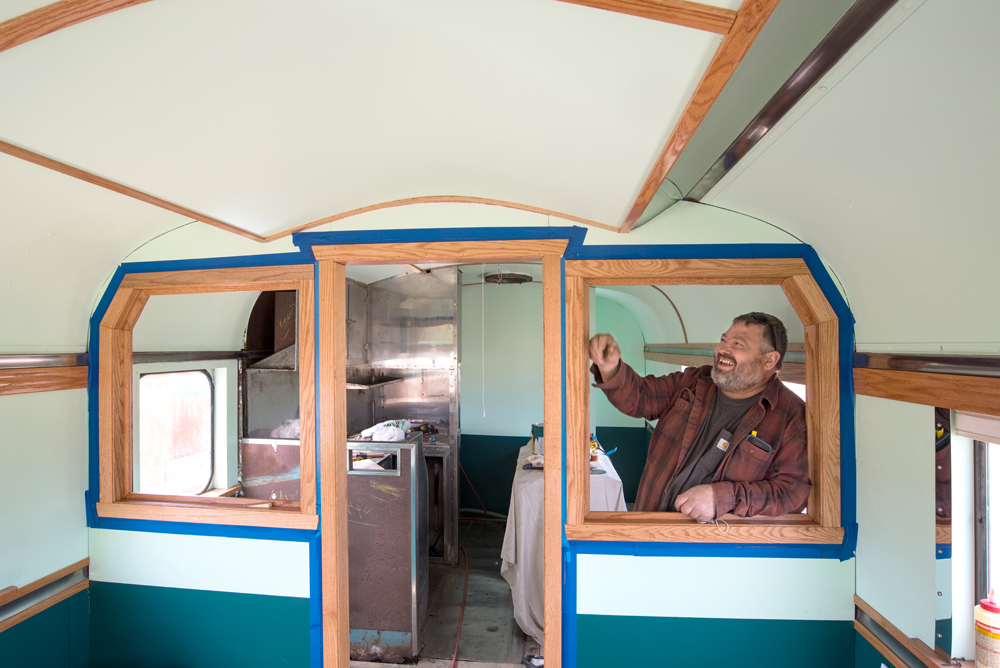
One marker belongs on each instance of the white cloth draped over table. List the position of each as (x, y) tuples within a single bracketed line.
[(522, 564)]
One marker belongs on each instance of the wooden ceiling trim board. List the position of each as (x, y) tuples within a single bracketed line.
[(438, 199), (749, 22), (62, 168), (678, 12), (50, 18)]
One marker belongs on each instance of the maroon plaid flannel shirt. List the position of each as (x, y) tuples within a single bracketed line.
[(749, 481)]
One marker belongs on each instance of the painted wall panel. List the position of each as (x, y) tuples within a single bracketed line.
[(162, 627), (896, 546), (749, 643), (194, 322), (213, 563), (963, 547), (58, 637), (615, 319), (715, 587), (512, 385), (61, 239), (43, 474), (843, 172)]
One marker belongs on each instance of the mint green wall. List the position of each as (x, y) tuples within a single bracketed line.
[(615, 319), (513, 347), (896, 544), (43, 474)]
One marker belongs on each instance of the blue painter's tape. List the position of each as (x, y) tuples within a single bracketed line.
[(192, 529), (316, 602), (316, 441), (575, 234), (264, 260), (943, 551)]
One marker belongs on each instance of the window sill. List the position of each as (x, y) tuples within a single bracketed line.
[(208, 511), (678, 528)]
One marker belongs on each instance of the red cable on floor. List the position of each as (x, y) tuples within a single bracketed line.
[(462, 613), (462, 468)]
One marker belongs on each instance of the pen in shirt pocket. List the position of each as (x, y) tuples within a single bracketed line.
[(763, 445)]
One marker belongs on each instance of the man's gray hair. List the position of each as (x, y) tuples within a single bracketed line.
[(775, 336)]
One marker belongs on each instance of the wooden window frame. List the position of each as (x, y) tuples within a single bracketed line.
[(822, 523), (332, 344), (117, 499)]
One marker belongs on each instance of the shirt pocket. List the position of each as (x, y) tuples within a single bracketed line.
[(749, 463)]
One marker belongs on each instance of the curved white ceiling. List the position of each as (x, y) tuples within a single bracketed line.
[(271, 114)]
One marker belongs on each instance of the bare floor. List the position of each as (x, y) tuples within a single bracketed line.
[(489, 633), (490, 636)]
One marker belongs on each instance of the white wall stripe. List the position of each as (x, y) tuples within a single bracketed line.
[(212, 563), (716, 587)]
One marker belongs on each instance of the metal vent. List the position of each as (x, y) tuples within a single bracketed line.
[(508, 278)]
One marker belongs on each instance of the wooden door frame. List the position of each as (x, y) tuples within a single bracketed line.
[(332, 261)]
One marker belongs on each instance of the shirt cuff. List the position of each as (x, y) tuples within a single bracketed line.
[(599, 379), (725, 498)]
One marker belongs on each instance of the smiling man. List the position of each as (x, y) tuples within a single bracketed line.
[(731, 438)]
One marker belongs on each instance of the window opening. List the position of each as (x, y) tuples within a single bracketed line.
[(176, 432)]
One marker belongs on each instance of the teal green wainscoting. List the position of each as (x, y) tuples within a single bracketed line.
[(866, 656), (630, 460), (606, 641), (490, 462), (942, 634), (161, 627), (57, 637)]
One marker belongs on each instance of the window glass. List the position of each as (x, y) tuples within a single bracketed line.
[(175, 432)]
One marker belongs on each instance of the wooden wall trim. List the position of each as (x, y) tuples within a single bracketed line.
[(916, 646), (307, 395), (577, 409), (43, 605), (332, 343), (705, 533), (552, 315), (976, 394), (207, 513), (49, 579), (42, 379), (93, 179), (879, 646), (733, 271), (441, 251), (231, 279), (50, 18), (10, 594), (677, 12), (749, 21)]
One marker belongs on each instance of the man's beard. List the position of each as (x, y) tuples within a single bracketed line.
[(740, 378)]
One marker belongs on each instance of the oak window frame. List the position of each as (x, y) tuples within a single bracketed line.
[(821, 524), (332, 261), (115, 397)]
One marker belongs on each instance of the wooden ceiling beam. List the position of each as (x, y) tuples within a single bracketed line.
[(678, 12), (63, 168), (50, 18), (438, 199), (749, 22)]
